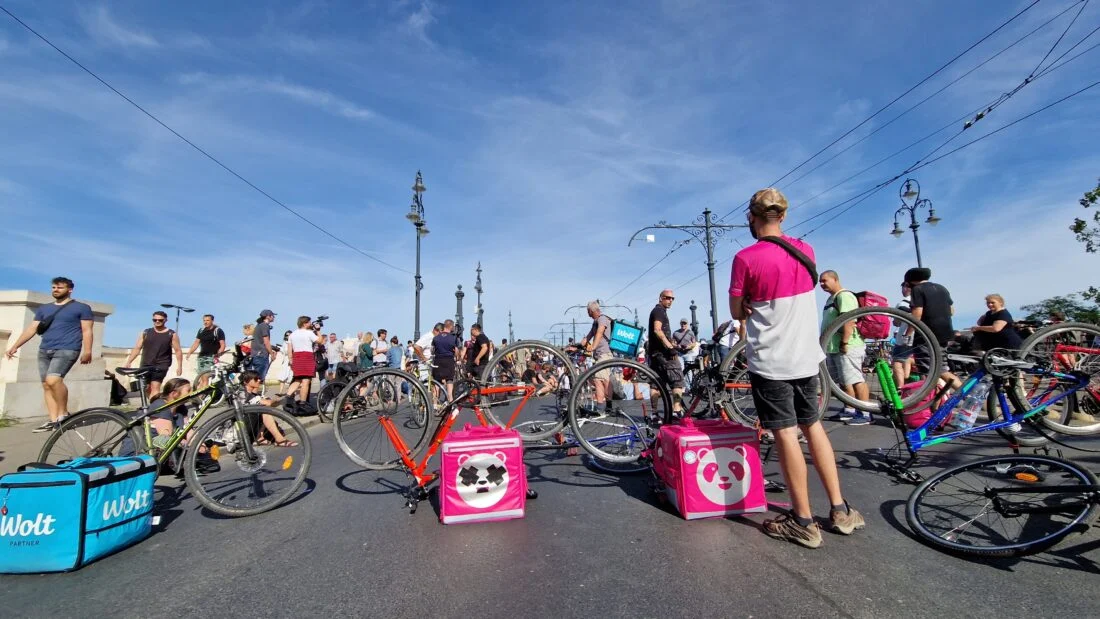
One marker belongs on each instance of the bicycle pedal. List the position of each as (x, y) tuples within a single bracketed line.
[(532, 494)]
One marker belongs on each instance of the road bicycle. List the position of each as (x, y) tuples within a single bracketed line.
[(385, 435), (239, 472)]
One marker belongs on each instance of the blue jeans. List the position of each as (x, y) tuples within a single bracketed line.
[(260, 365), (56, 362)]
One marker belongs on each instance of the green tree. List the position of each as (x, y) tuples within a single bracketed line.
[(1076, 307), (1086, 233)]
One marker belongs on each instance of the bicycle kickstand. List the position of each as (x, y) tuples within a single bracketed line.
[(414, 496)]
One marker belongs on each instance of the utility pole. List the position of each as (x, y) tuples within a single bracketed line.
[(416, 217), (707, 231)]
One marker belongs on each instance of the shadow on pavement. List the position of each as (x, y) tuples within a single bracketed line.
[(308, 485), (387, 486)]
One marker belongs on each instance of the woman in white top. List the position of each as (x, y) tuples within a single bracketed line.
[(302, 362), (381, 348)]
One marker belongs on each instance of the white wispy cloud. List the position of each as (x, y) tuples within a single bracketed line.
[(314, 97), (102, 26), (419, 20)]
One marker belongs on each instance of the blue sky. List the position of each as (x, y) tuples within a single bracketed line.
[(547, 134)]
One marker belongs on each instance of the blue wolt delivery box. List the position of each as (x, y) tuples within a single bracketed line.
[(58, 518), (625, 338)]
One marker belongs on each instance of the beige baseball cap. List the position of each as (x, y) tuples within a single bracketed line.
[(768, 201)]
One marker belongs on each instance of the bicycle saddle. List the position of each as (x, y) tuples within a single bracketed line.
[(143, 371)]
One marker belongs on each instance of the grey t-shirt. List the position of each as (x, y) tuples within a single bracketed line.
[(683, 337), (263, 330), (603, 346)]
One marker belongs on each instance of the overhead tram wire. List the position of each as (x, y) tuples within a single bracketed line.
[(675, 247), (200, 149), (934, 94), (867, 193), (975, 116), (953, 151), (898, 98)]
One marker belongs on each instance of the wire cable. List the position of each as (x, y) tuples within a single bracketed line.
[(200, 149), (675, 247), (899, 97)]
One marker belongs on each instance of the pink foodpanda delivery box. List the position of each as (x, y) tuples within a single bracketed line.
[(710, 469), (482, 476)]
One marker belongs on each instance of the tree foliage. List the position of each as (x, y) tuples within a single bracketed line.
[(1089, 233), (1076, 307)]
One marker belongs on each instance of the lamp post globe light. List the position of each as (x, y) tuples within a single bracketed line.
[(911, 202), (416, 218), (178, 308)]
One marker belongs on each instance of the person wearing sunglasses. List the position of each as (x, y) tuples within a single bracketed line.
[(663, 354), (156, 346)]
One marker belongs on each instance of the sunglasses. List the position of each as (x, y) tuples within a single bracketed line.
[(669, 298), (158, 320)]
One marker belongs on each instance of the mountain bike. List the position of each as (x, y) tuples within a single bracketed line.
[(386, 435), (1008, 505), (227, 463)]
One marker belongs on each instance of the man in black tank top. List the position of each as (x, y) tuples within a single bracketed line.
[(156, 347)]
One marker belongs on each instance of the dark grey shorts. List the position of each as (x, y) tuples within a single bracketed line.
[(785, 403), (56, 362)]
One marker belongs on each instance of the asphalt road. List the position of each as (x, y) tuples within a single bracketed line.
[(591, 545)]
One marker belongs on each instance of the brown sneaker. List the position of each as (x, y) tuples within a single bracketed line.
[(787, 528), (845, 523)]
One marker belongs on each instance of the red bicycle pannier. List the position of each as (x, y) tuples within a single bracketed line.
[(875, 326)]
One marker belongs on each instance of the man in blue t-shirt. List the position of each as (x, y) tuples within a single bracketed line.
[(67, 336), (445, 348)]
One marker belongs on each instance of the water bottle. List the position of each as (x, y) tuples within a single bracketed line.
[(966, 413)]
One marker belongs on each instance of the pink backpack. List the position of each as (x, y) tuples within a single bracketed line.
[(875, 326)]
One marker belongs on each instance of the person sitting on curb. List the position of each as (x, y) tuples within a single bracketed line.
[(273, 435)]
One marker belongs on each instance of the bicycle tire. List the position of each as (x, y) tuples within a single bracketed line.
[(737, 403), (92, 433), (633, 432), (548, 418), (213, 492), (326, 399), (1033, 350), (357, 425), (923, 331), (1019, 470)]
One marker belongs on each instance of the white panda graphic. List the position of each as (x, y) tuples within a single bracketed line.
[(482, 479), (723, 475)]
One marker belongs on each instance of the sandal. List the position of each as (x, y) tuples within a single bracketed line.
[(262, 442), (286, 443)]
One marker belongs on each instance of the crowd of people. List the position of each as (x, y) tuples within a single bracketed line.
[(772, 306)]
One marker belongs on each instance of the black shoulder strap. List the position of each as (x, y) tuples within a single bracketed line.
[(795, 253)]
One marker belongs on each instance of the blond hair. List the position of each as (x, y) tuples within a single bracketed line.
[(995, 297)]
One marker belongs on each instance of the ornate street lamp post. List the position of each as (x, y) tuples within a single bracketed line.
[(910, 191), (416, 217)]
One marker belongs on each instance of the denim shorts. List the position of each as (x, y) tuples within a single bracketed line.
[(56, 362), (785, 403)]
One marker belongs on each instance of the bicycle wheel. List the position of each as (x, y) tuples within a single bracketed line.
[(537, 414), (736, 399), (92, 433), (618, 433), (228, 480), (366, 402), (326, 399), (1003, 506), (924, 348), (1067, 348)]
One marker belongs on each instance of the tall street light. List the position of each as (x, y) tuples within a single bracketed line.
[(458, 310), (178, 308), (911, 202), (416, 217), (707, 231), (479, 290), (511, 336)]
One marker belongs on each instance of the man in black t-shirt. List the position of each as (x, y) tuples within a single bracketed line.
[(662, 354), (931, 304), (478, 355), (210, 340)]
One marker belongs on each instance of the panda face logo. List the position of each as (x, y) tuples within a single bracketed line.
[(482, 479), (723, 475)]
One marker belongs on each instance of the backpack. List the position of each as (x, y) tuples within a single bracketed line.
[(875, 326)]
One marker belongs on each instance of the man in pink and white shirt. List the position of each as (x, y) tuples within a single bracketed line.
[(772, 291)]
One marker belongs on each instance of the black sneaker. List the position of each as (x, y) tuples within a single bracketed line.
[(205, 465), (49, 426)]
